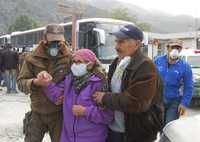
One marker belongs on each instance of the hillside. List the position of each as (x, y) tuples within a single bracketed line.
[(46, 11)]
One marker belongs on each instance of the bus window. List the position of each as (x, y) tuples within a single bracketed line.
[(87, 37), (107, 51), (68, 33), (20, 40), (29, 39)]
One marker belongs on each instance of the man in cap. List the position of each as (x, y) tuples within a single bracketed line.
[(135, 91), (53, 56), (177, 77)]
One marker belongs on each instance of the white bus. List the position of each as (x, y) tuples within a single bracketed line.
[(92, 33), (5, 39)]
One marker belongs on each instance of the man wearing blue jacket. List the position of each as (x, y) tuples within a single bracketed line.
[(177, 77)]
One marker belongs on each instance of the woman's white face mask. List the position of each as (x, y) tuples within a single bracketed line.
[(174, 54), (79, 69)]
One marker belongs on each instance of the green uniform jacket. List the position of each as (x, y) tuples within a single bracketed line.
[(36, 62)]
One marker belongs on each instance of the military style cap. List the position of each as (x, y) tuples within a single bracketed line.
[(175, 42), (55, 32)]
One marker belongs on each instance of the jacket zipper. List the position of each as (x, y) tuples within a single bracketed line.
[(74, 123)]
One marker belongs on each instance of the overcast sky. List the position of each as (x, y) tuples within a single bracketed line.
[(175, 7)]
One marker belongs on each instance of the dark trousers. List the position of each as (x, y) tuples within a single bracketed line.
[(120, 137), (115, 136), (39, 124)]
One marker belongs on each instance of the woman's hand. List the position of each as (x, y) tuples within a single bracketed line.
[(78, 110)]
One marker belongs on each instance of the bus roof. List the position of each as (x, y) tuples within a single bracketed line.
[(28, 31), (105, 20), (5, 36)]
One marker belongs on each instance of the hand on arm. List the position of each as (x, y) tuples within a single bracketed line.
[(55, 93), (134, 98), (43, 79), (78, 110), (98, 96)]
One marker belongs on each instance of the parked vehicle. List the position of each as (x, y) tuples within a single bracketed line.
[(185, 129), (192, 56)]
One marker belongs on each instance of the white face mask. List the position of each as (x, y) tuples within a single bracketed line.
[(53, 52), (174, 54), (79, 69)]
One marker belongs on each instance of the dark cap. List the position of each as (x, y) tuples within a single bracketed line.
[(55, 32), (129, 31)]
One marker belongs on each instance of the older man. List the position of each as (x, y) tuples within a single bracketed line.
[(136, 91), (52, 56)]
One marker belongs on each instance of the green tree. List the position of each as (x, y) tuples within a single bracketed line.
[(22, 23), (144, 26), (122, 14)]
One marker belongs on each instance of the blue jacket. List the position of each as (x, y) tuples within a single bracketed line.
[(177, 80)]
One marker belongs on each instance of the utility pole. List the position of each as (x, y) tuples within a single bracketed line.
[(74, 12), (74, 32)]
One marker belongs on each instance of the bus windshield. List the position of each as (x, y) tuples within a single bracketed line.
[(194, 61), (107, 51)]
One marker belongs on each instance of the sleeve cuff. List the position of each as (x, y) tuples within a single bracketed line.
[(185, 104), (106, 99), (87, 112), (30, 84)]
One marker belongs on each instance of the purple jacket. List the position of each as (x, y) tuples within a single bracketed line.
[(89, 128)]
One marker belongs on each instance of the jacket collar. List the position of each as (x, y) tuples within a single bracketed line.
[(136, 60), (40, 51), (94, 78)]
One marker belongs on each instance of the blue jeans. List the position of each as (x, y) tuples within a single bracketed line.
[(4, 78), (11, 80), (171, 110)]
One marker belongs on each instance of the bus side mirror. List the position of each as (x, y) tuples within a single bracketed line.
[(101, 36)]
